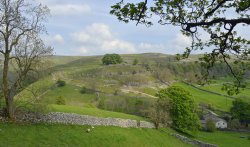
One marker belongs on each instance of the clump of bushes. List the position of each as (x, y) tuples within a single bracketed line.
[(210, 126), (60, 101), (60, 83), (234, 124), (111, 59), (83, 90), (135, 62)]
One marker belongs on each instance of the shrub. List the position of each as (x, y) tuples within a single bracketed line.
[(83, 90), (60, 101), (135, 62), (159, 114), (234, 124), (210, 126), (60, 83), (111, 59)]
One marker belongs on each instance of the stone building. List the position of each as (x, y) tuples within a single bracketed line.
[(219, 122)]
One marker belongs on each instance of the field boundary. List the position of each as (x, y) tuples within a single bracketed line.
[(211, 92), (77, 119)]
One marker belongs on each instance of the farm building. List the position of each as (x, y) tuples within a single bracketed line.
[(219, 122)]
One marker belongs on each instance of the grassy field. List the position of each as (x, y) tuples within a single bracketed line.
[(219, 102), (65, 135), (245, 93), (225, 139), (93, 112)]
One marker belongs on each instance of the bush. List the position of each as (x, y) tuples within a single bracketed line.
[(159, 114), (135, 62), (111, 59), (60, 83), (210, 126), (83, 90), (182, 109), (60, 101), (234, 124)]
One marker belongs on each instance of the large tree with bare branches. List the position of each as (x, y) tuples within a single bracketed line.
[(21, 23), (217, 20)]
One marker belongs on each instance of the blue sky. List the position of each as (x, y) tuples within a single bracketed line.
[(85, 27)]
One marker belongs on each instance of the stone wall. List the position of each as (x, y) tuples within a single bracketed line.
[(194, 142), (70, 118)]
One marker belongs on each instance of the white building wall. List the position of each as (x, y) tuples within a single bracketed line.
[(221, 124)]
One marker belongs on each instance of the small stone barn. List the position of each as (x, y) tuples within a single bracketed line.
[(219, 122)]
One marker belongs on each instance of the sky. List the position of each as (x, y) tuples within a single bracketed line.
[(85, 27)]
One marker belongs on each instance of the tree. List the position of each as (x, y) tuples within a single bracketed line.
[(21, 24), (159, 114), (111, 59), (207, 18), (210, 125), (61, 83), (241, 110), (135, 62), (183, 111)]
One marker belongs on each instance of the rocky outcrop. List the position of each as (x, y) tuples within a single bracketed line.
[(76, 119)]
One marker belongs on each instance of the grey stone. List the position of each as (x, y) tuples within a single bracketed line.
[(76, 119)]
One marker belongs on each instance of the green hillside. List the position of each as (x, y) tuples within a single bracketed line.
[(120, 91)]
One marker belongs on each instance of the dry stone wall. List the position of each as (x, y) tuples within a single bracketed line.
[(70, 118), (194, 142)]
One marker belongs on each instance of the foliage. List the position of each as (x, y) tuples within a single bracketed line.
[(210, 125), (111, 59), (60, 83), (21, 45), (234, 124), (60, 100), (135, 62), (197, 20), (83, 90), (182, 109), (159, 114), (240, 110)]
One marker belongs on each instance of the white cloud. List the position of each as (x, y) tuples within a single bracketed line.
[(55, 39), (182, 40), (118, 45), (98, 38), (82, 50), (69, 9), (149, 46)]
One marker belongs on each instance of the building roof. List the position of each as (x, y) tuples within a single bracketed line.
[(213, 117)]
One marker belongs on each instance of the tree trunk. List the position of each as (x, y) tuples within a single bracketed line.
[(6, 89)]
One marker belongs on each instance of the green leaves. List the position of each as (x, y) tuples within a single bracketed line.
[(182, 109), (111, 59), (196, 18)]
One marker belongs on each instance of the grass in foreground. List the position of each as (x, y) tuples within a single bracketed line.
[(13, 135), (93, 112)]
